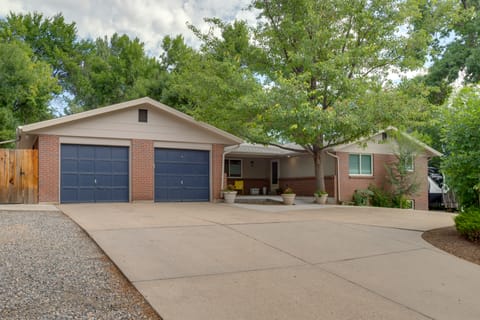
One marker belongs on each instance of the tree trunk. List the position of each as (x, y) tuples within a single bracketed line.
[(319, 172)]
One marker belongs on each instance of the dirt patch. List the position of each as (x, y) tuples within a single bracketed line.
[(450, 241)]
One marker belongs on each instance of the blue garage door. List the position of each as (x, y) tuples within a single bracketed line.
[(94, 174), (182, 175)]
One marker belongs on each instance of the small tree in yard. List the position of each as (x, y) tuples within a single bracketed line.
[(401, 174)]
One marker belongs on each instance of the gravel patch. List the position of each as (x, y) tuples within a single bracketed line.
[(51, 269)]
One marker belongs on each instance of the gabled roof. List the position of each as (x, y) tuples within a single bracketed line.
[(248, 149), (31, 128), (427, 148)]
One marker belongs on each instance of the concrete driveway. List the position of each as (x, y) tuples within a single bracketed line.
[(215, 261)]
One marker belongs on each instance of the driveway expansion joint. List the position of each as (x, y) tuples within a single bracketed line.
[(227, 226), (377, 293), (369, 256)]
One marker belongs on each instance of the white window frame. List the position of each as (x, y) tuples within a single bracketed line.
[(241, 168), (360, 162), (412, 168)]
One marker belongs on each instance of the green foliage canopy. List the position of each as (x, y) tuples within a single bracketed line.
[(26, 88), (461, 136)]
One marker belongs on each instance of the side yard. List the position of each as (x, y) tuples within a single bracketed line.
[(49, 268)]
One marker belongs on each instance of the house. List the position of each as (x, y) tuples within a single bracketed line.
[(347, 168), (139, 150), (143, 150)]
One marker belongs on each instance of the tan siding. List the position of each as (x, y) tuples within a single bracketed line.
[(375, 145), (302, 166), (123, 124)]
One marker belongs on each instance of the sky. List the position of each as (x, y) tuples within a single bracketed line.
[(149, 20)]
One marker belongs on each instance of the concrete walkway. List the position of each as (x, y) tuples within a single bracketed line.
[(215, 261)]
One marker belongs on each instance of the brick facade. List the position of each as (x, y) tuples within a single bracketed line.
[(307, 186), (421, 170), (48, 169), (217, 174), (348, 184), (142, 170)]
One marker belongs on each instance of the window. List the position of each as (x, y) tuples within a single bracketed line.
[(410, 163), (142, 115), (410, 204), (360, 164), (233, 168)]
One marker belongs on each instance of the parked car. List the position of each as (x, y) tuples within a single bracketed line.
[(435, 194)]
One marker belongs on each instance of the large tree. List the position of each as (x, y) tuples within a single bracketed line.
[(116, 69), (213, 83), (327, 61), (461, 136), (26, 88), (52, 40)]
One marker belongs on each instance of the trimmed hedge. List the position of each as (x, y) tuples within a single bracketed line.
[(468, 224)]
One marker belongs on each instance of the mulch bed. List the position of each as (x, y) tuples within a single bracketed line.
[(449, 240)]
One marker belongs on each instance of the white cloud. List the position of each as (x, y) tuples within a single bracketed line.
[(149, 20)]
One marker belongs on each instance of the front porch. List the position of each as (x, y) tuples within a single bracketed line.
[(266, 171)]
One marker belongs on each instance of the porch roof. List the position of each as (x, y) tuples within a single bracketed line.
[(260, 150)]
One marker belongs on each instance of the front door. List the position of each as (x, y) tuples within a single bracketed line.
[(274, 175)]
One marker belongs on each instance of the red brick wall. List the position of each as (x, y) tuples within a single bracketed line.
[(217, 174), (348, 184), (48, 168), (249, 183), (421, 170), (142, 170), (306, 186)]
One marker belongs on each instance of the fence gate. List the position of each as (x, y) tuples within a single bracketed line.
[(18, 176)]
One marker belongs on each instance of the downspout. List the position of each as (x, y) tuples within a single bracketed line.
[(338, 174), (222, 185)]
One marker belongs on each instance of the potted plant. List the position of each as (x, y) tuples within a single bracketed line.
[(320, 197), (229, 194), (288, 196)]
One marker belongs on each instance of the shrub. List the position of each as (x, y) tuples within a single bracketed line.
[(380, 197), (468, 224), (361, 197)]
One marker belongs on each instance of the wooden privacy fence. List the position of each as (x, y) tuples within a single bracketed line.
[(18, 176)]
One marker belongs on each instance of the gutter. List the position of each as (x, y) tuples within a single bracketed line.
[(338, 174), (8, 141)]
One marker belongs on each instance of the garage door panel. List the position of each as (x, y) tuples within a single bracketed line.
[(196, 181), (103, 152), (103, 181), (90, 174), (120, 154), (120, 180), (195, 194), (69, 180), (84, 152), (70, 165), (69, 151), (86, 165), (119, 166), (119, 195), (103, 166), (85, 180), (85, 195), (182, 175)]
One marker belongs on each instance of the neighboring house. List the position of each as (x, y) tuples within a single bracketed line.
[(139, 150), (347, 168)]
